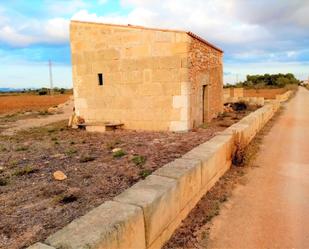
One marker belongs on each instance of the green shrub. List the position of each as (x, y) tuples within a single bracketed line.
[(25, 171), (85, 159), (4, 181), (144, 173), (22, 148), (43, 92), (119, 153), (71, 152), (112, 144), (139, 160)]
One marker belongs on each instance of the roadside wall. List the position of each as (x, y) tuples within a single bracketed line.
[(254, 101), (147, 214), (260, 93), (284, 97), (266, 93), (233, 92)]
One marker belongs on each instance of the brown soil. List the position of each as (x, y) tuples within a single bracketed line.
[(23, 102), (33, 205), (194, 230)]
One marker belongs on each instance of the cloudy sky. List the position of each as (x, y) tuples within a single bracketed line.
[(265, 36)]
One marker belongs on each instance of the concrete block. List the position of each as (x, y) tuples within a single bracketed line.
[(180, 48), (164, 36), (214, 154), (40, 246), (179, 126), (80, 103), (111, 225), (185, 88), (187, 172), (184, 114), (95, 128), (180, 101), (159, 198)]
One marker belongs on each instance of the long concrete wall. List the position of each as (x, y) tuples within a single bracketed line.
[(265, 93), (147, 214)]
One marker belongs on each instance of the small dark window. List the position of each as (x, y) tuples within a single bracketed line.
[(100, 77)]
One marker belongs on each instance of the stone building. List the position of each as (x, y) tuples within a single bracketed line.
[(144, 78)]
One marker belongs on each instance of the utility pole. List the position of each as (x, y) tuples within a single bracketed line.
[(51, 78)]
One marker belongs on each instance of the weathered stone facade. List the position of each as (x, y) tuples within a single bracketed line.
[(151, 78), (206, 77)]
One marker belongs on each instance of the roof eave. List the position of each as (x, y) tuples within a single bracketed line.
[(204, 41)]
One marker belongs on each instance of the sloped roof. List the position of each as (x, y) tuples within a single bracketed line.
[(158, 29)]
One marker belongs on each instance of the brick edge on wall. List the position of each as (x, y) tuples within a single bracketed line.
[(147, 214)]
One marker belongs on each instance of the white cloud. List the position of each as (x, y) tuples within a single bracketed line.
[(63, 7), (11, 36), (57, 30), (32, 31), (214, 20)]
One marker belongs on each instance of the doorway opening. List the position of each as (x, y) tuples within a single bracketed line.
[(205, 103)]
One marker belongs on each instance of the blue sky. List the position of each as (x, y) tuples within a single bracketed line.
[(257, 36)]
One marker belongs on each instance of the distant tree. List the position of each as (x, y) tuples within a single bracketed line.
[(268, 80)]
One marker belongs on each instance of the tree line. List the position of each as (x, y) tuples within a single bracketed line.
[(267, 81)]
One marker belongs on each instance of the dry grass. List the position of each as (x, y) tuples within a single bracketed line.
[(12, 104)]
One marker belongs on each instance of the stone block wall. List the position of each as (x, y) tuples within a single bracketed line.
[(152, 78), (144, 71)]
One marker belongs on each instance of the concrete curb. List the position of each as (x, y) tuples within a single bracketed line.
[(147, 214)]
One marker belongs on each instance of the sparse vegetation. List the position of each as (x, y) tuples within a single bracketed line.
[(56, 147), (4, 181), (86, 158), (204, 126), (70, 152), (119, 153), (113, 144), (64, 198), (25, 171), (144, 173), (139, 160), (239, 156), (22, 148)]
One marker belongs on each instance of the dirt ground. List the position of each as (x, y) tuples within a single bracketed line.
[(194, 230), (34, 205), (25, 102), (14, 122)]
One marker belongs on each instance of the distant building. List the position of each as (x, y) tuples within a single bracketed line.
[(145, 78)]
